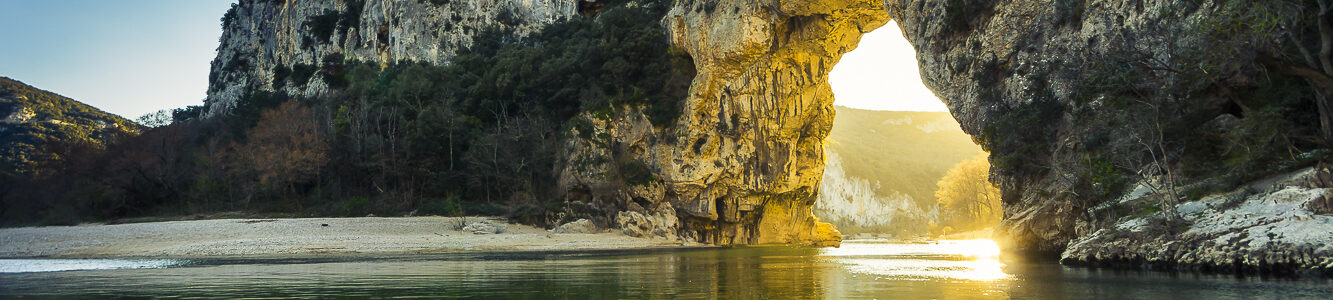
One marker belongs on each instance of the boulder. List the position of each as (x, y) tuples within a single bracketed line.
[(579, 226), (484, 227)]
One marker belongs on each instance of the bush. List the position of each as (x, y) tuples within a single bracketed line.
[(1019, 141), (355, 206), (301, 74), (321, 26)]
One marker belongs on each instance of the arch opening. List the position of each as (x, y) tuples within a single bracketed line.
[(898, 165)]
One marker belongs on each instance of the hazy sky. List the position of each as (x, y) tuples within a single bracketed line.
[(128, 57), (881, 74), (132, 57)]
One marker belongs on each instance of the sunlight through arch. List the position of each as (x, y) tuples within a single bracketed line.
[(882, 74)]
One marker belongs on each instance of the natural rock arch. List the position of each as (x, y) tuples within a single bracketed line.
[(761, 105)]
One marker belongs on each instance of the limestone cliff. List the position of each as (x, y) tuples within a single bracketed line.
[(749, 151), (262, 36)]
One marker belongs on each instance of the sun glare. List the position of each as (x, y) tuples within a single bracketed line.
[(976, 260), (882, 74)]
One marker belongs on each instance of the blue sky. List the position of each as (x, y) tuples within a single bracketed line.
[(128, 57), (132, 57)]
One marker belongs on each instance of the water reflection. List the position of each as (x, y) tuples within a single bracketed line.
[(961, 260), (858, 270), (58, 265)]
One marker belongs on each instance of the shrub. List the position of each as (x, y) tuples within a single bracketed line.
[(321, 26), (301, 74), (1019, 141)]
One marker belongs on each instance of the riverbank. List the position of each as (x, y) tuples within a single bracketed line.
[(1278, 226), (303, 236)]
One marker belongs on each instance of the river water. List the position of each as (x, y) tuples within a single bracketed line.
[(858, 270)]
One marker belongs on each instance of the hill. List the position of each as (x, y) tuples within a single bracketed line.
[(35, 120), (883, 167)]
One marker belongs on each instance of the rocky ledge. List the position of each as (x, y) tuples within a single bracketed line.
[(1278, 226)]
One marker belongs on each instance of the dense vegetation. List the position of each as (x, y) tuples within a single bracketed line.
[(481, 135), (33, 121)]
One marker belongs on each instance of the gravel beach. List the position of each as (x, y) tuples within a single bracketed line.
[(303, 236)]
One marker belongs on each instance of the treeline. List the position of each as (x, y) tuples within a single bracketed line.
[(966, 198), (482, 135)]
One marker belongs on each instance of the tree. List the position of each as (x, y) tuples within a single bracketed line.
[(966, 197), (156, 119), (284, 148)]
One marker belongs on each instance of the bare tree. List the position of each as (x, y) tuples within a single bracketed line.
[(285, 148), (1157, 173)]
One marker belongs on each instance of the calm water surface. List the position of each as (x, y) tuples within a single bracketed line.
[(860, 269)]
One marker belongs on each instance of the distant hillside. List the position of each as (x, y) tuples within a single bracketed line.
[(883, 168), (33, 118)]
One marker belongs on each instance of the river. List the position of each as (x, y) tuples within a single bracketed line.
[(967, 269)]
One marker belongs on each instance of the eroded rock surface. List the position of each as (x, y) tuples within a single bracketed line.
[(747, 154), (261, 35), (1275, 226)]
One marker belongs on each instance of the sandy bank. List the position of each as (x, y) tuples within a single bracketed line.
[(266, 237)]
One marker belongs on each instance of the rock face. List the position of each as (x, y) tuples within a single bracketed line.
[(1276, 226), (261, 35), (749, 152)]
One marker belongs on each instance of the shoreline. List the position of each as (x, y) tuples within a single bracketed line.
[(304, 237)]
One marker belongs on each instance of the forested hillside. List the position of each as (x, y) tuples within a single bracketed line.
[(35, 121), (481, 135)]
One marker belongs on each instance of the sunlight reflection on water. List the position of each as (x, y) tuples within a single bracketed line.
[(962, 259), (858, 270), (57, 265)]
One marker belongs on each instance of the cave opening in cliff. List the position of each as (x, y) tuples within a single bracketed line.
[(897, 163)]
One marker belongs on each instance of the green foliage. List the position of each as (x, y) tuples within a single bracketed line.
[(355, 206), (332, 70), (54, 121), (636, 173), (188, 113), (322, 26), (509, 17), (444, 206), (229, 17), (301, 74), (280, 75), (435, 2), (351, 16), (248, 109), (1108, 181), (1019, 141)]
